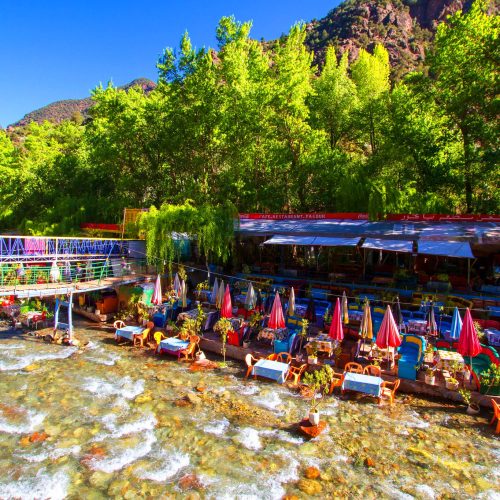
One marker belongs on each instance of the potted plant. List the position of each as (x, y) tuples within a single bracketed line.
[(490, 380), (312, 353), (451, 383), (430, 376), (318, 382), (303, 332), (223, 327), (472, 408)]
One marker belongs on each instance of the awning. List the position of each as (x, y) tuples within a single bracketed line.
[(459, 249), (326, 241), (389, 245), (290, 240)]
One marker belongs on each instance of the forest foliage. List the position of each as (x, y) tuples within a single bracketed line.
[(264, 130)]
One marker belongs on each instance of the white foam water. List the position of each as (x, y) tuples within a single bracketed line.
[(425, 491), (122, 457), (249, 438), (147, 422), (167, 465), (43, 485), (31, 421), (124, 387), (415, 422), (218, 427), (21, 360), (270, 401), (248, 389), (53, 454), (96, 354), (282, 436)]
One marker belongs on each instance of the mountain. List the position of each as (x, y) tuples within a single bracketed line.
[(404, 27), (67, 109)]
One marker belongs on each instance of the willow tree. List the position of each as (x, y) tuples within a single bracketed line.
[(212, 226)]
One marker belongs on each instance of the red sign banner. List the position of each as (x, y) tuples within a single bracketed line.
[(101, 227), (444, 217), (309, 216)]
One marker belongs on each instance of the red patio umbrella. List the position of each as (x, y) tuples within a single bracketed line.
[(388, 334), (227, 307), (156, 298), (276, 319), (468, 343), (336, 331)]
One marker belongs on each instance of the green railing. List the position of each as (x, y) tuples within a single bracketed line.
[(12, 275)]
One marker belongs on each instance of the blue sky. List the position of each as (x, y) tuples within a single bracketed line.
[(52, 50)]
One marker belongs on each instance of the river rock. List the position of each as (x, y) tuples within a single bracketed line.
[(118, 487), (312, 473), (100, 479), (190, 482), (310, 486), (31, 367), (193, 398)]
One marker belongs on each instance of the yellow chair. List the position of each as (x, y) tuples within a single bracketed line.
[(353, 367), (337, 381), (296, 372), (284, 357)]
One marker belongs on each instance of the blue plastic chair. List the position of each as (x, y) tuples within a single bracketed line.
[(286, 344), (411, 356)]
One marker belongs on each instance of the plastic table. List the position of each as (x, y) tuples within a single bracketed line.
[(270, 369), (128, 332), (172, 345), (359, 382)]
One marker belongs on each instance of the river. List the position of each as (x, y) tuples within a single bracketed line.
[(114, 421)]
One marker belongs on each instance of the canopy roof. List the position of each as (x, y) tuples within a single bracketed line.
[(324, 241), (447, 248), (389, 245)]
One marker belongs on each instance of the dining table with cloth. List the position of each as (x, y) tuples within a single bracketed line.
[(417, 326), (359, 382), (172, 346), (128, 332), (274, 370), (444, 359)]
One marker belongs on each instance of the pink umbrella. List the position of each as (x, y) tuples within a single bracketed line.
[(468, 343), (388, 334), (227, 307), (156, 298), (336, 331), (276, 320)]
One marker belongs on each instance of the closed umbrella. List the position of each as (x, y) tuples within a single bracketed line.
[(345, 309), (366, 326), (431, 321), (156, 298), (388, 334), (310, 314), (177, 285), (215, 292), (250, 298), (398, 315), (55, 274), (89, 272), (259, 301), (67, 271), (220, 295), (291, 303), (184, 294), (468, 343), (276, 319), (227, 307), (456, 325), (336, 331)]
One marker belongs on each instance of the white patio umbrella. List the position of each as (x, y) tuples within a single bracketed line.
[(291, 303), (156, 298), (220, 294), (215, 292), (250, 299), (177, 285), (55, 274)]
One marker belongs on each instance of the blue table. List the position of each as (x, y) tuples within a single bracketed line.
[(358, 382), (493, 336), (270, 369), (172, 346), (128, 332)]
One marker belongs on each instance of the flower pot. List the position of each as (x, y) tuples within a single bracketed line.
[(430, 379), (452, 386), (200, 355), (312, 360), (473, 409), (314, 417)]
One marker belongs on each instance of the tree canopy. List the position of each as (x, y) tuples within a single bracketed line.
[(260, 127)]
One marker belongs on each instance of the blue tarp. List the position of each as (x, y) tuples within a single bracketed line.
[(389, 245), (459, 249), (290, 240), (323, 241)]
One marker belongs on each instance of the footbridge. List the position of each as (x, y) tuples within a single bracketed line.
[(47, 266)]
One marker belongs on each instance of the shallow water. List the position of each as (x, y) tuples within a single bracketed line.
[(117, 425)]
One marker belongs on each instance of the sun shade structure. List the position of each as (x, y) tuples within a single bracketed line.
[(250, 298), (183, 294), (345, 309), (388, 245), (468, 343), (156, 298), (366, 327), (323, 241), (276, 319), (336, 331), (431, 321), (388, 335), (291, 303), (227, 307), (290, 240), (215, 292), (220, 295), (327, 241), (177, 285), (398, 316), (459, 249), (456, 325)]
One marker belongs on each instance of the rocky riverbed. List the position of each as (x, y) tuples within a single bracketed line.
[(113, 421)]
